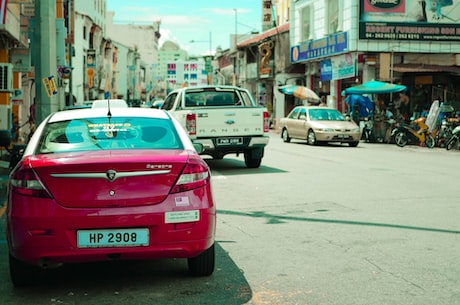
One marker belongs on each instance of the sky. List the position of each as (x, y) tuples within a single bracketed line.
[(209, 23)]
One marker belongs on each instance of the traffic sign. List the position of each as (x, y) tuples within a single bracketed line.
[(50, 85)]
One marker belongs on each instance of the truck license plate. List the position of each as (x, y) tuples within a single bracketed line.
[(229, 141), (112, 238)]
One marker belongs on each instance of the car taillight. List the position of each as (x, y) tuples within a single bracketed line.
[(190, 123), (25, 181), (266, 121), (194, 175)]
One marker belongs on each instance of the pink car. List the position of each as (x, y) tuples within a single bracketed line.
[(109, 183)]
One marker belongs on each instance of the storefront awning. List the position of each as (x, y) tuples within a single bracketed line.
[(263, 36), (421, 68), (374, 87)]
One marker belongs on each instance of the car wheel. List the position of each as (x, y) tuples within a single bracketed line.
[(451, 143), (401, 139), (253, 157), (250, 161), (353, 144), (311, 138), (203, 264), (285, 136), (218, 156), (21, 273)]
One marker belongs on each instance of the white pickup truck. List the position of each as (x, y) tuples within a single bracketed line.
[(224, 119)]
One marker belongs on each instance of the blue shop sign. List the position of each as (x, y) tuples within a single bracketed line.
[(331, 45), (325, 70)]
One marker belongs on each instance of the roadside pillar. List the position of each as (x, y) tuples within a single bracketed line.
[(44, 34)]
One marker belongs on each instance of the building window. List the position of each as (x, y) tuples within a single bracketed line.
[(305, 24), (332, 22), (84, 33)]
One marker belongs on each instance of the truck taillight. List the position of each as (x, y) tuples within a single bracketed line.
[(190, 123), (266, 121)]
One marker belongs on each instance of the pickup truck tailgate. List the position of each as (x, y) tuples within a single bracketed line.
[(229, 121)]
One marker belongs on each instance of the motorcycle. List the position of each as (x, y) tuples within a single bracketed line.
[(454, 139), (444, 131), (405, 134), (368, 133)]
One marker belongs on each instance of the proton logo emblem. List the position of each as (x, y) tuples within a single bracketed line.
[(229, 122), (111, 174)]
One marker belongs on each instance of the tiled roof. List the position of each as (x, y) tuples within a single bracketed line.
[(264, 35)]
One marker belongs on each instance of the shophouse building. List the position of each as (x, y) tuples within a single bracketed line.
[(348, 42), (11, 76)]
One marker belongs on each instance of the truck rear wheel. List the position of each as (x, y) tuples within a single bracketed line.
[(253, 157)]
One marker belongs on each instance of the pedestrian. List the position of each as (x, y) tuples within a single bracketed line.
[(32, 110), (404, 106), (323, 101), (356, 113)]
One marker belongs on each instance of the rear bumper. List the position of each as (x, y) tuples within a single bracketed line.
[(45, 234), (210, 144)]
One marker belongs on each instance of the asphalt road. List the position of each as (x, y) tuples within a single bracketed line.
[(376, 224)]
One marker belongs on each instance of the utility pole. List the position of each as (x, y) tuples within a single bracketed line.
[(44, 40)]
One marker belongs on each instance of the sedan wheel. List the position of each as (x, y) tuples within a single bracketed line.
[(22, 274), (353, 144), (285, 136), (311, 137), (203, 264)]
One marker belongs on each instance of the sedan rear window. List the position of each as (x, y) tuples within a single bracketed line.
[(107, 134)]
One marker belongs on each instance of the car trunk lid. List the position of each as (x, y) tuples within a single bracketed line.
[(110, 178)]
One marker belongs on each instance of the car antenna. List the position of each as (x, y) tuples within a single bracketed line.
[(109, 114)]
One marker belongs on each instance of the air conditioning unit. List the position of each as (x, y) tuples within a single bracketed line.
[(6, 77)]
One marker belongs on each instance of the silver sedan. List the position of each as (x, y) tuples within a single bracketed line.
[(317, 124)]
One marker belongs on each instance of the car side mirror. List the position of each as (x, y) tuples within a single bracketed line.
[(198, 147)]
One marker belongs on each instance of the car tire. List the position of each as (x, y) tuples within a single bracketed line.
[(285, 136), (250, 161), (203, 264), (401, 139), (23, 274), (311, 138), (217, 156), (253, 157), (353, 144)]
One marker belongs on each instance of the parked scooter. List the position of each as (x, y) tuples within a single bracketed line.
[(368, 133), (454, 139), (405, 134), (444, 132)]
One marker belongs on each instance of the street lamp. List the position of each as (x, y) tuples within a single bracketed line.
[(210, 42), (235, 59), (208, 59)]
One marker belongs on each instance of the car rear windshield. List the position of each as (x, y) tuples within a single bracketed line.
[(107, 134), (217, 98)]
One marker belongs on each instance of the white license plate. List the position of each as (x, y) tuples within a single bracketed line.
[(230, 141), (343, 136), (112, 238)]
